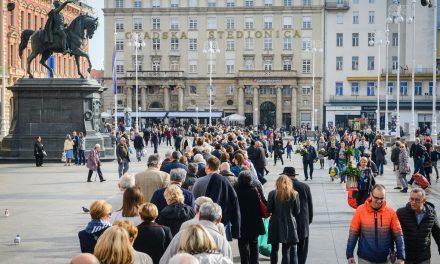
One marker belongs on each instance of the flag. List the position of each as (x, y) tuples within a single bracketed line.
[(114, 75)]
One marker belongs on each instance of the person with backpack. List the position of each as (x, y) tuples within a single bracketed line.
[(395, 152)]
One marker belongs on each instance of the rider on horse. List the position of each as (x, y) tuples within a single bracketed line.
[(55, 25)]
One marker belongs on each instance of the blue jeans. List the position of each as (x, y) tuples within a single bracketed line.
[(380, 167), (260, 175)]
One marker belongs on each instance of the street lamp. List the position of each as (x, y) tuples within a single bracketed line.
[(211, 49), (315, 48), (434, 76), (136, 41), (378, 43), (412, 128), (387, 45)]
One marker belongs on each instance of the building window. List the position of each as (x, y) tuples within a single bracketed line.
[(394, 63), (339, 18), (248, 64), (248, 90), (306, 90), (230, 3), (192, 23), (370, 88), (355, 88), (212, 23), (287, 43), (371, 36), (119, 4), (403, 88), (211, 67), (119, 24), (212, 3), (138, 64), (267, 43), (355, 63), (119, 89), (193, 89), (267, 65), (395, 39), (119, 68), (193, 67), (306, 66), (230, 91), (306, 22), (268, 22), (390, 88), (174, 44), (370, 17), (339, 89), (174, 65), (262, 90), (286, 90), (307, 2), (287, 22), (192, 44), (230, 23), (174, 23), (268, 2), (418, 88), (306, 43), (119, 45), (137, 23), (175, 3), (339, 39), (249, 3), (156, 23), (287, 64), (339, 63), (355, 17), (370, 63), (155, 3), (430, 88), (137, 3), (371, 1), (156, 44), (355, 39), (249, 43), (249, 23), (230, 45), (230, 67), (287, 2), (156, 66)]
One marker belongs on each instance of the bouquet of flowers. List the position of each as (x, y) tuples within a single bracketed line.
[(302, 150), (352, 174), (322, 152), (349, 152)]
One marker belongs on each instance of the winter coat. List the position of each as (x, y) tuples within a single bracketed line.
[(152, 239), (93, 161), (395, 155), (138, 142), (311, 154), (380, 154), (174, 215), (403, 161), (38, 149), (282, 223), (251, 221), (258, 158), (305, 218), (230, 176), (175, 164), (418, 236), (87, 241)]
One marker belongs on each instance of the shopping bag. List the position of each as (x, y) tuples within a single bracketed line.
[(131, 150), (421, 180), (351, 200), (264, 247), (63, 157), (144, 153)]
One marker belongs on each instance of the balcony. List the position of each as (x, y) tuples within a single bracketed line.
[(266, 74), (337, 6), (419, 71), (156, 74), (382, 98)]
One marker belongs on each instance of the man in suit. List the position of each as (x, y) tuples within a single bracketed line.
[(304, 219)]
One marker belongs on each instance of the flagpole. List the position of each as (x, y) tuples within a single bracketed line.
[(115, 88)]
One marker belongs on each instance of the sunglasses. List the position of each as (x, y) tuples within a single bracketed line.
[(378, 198)]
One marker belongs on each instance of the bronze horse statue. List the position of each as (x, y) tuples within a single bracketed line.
[(75, 39)]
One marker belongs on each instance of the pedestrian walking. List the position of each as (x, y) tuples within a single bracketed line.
[(81, 149), (94, 163), (39, 152), (380, 156), (308, 159), (138, 144), (68, 149), (395, 152), (403, 168), (123, 156)]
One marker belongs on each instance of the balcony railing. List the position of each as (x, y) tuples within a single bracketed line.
[(382, 98), (408, 71), (156, 74), (263, 73), (338, 5)]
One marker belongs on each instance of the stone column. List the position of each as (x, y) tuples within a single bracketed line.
[(241, 100), (180, 98), (130, 97), (144, 98), (166, 98), (294, 105), (279, 107), (256, 106)]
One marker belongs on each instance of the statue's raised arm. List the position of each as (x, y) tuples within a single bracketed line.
[(58, 9), (55, 25)]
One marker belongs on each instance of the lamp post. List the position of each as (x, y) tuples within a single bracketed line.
[(211, 49), (315, 48), (387, 45), (138, 43), (378, 43), (434, 76), (412, 128)]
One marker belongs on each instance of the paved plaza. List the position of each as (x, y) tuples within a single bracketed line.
[(45, 209)]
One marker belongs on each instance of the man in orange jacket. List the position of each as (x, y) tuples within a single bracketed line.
[(377, 228)]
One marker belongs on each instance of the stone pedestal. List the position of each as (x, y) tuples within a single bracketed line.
[(53, 108)]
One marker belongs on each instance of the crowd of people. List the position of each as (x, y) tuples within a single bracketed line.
[(188, 205)]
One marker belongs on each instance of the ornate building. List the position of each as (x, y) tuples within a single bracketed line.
[(32, 14), (263, 71)]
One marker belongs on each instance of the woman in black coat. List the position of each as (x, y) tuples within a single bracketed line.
[(153, 239), (278, 149), (38, 152), (251, 222)]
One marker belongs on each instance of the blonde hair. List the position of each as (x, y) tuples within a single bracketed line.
[(148, 212), (284, 189), (196, 239), (173, 194), (131, 229), (99, 209), (364, 159), (114, 246)]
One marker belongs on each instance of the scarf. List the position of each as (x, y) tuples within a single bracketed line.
[(124, 151), (95, 226)]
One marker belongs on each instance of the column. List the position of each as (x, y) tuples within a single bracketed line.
[(166, 98), (279, 107), (130, 97), (294, 105), (180, 98), (256, 107), (241, 100), (144, 98)]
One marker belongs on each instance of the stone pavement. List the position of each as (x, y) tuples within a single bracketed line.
[(45, 209)]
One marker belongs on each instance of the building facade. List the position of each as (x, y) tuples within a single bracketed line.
[(357, 34), (264, 69), (32, 14)]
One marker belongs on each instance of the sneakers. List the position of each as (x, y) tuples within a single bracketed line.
[(404, 190), (103, 180), (397, 188)]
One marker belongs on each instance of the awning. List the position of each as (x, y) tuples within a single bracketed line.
[(145, 114), (195, 114)]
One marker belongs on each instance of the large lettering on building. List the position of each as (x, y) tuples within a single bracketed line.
[(219, 34)]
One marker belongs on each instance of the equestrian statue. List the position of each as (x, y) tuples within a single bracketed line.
[(57, 37)]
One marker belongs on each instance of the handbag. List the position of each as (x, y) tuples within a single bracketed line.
[(263, 247), (63, 156), (263, 208), (44, 153)]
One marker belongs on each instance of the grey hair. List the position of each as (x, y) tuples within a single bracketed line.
[(225, 166), (419, 190), (168, 153), (126, 181), (198, 158), (210, 212), (153, 161), (201, 200), (97, 146), (417, 140), (183, 258), (178, 175)]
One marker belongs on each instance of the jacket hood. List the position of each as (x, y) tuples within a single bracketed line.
[(176, 211), (227, 173)]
